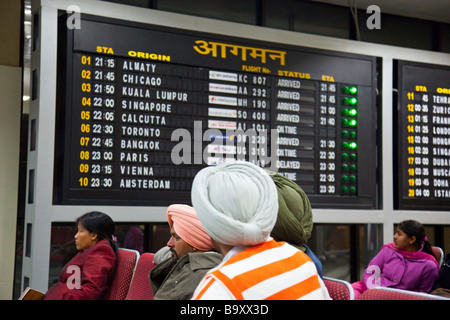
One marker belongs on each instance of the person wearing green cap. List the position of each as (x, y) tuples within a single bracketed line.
[(294, 222)]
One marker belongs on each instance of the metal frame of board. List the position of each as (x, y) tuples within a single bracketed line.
[(41, 213)]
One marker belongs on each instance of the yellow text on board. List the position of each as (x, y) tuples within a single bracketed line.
[(211, 47)]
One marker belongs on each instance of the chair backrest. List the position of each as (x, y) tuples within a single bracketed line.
[(126, 263), (439, 254), (140, 288), (339, 289), (382, 293)]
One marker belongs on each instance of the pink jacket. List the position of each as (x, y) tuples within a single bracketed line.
[(391, 267)]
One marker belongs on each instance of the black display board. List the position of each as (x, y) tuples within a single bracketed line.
[(142, 108), (422, 136)]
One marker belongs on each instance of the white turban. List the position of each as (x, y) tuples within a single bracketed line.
[(237, 203)]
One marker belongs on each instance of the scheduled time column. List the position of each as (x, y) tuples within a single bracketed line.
[(103, 121)]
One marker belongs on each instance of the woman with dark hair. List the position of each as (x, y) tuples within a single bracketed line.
[(408, 263), (88, 274)]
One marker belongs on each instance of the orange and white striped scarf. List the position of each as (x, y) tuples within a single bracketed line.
[(271, 270)]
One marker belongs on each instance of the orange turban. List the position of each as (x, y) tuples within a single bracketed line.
[(185, 223)]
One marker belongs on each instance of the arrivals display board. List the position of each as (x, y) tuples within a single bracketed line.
[(422, 138), (142, 108)]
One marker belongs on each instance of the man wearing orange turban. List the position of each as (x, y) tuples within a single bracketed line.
[(177, 276)]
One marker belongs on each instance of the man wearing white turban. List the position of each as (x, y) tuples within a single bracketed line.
[(237, 205)]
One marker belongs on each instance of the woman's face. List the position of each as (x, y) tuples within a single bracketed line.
[(84, 239), (403, 242)]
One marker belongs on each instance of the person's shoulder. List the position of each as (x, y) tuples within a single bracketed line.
[(388, 249), (102, 248), (204, 260), (431, 263)]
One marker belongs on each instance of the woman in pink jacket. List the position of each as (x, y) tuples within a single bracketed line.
[(408, 263), (88, 275)]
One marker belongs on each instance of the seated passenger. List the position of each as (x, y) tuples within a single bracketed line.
[(408, 263), (88, 275), (191, 257), (237, 204), (441, 286), (294, 223)]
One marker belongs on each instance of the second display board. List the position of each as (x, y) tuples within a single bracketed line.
[(142, 108), (422, 142)]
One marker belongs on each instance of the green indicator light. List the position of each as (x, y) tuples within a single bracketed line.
[(344, 156), (344, 189), (344, 178), (352, 178), (345, 112), (351, 90), (353, 156), (352, 145), (352, 112), (344, 133), (352, 123), (344, 167), (352, 189), (351, 101), (344, 122), (344, 145), (352, 167), (352, 134)]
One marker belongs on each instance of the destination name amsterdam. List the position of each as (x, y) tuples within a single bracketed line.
[(144, 184)]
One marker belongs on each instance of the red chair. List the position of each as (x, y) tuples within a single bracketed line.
[(439, 254), (382, 293), (126, 263), (140, 288), (339, 289)]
